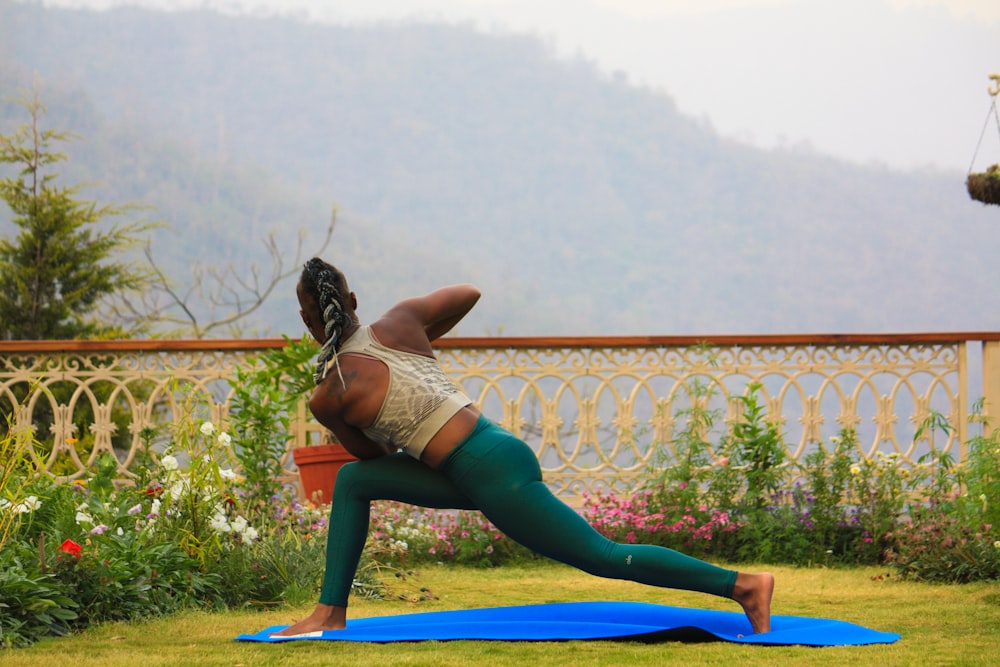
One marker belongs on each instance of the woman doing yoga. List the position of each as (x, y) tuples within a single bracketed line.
[(422, 441)]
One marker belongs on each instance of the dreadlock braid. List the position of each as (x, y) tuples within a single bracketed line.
[(325, 282)]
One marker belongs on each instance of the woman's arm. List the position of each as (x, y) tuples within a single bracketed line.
[(439, 311), (328, 413)]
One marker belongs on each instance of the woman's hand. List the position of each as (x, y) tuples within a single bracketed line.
[(358, 444)]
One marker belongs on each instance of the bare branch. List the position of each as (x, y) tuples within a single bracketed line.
[(228, 296)]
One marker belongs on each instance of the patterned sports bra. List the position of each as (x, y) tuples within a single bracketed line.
[(420, 398)]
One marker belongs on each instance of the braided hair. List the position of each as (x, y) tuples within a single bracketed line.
[(328, 287)]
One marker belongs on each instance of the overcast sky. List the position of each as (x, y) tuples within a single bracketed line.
[(897, 82)]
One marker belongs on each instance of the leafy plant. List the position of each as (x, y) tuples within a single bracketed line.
[(982, 470), (13, 476), (264, 397), (756, 444), (32, 604)]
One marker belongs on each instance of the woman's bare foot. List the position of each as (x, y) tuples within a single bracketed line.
[(324, 617), (754, 592)]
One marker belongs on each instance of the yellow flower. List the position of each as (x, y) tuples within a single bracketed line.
[(855, 470)]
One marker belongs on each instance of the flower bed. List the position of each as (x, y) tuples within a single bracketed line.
[(194, 531)]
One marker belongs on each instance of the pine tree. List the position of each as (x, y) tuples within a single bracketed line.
[(64, 264)]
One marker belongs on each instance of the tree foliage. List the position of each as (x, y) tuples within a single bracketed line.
[(64, 263)]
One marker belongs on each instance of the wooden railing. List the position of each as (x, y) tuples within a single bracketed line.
[(596, 410)]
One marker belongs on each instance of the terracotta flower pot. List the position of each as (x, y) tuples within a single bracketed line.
[(318, 467)]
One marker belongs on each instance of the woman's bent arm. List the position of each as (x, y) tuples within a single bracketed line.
[(439, 311)]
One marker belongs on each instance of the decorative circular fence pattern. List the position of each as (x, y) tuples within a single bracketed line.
[(597, 411)]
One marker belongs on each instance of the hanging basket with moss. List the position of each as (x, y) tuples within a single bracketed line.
[(985, 187)]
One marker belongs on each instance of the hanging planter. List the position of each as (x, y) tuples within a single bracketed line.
[(318, 467), (985, 187)]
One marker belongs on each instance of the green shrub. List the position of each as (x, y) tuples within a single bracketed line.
[(264, 398), (33, 604)]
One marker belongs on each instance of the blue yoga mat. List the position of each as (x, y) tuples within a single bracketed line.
[(563, 621)]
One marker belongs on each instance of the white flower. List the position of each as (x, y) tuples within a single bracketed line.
[(219, 524), (29, 504), (178, 488), (250, 534), (225, 440), (239, 524), (154, 509), (4, 503), (169, 462), (120, 531), (83, 517), (227, 473), (207, 428)]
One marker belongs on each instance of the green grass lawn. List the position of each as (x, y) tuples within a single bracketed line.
[(939, 624)]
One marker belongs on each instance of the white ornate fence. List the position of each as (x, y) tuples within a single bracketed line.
[(594, 409)]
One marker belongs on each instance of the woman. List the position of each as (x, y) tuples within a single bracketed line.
[(381, 390)]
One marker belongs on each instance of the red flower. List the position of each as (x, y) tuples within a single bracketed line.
[(71, 547)]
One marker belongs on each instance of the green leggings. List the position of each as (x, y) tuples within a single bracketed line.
[(496, 473)]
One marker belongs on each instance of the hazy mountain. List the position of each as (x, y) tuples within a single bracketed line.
[(580, 203)]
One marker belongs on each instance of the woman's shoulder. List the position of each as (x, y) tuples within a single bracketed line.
[(401, 333)]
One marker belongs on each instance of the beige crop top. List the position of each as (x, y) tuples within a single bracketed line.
[(420, 398)]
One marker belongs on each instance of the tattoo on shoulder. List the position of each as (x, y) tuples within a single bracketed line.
[(336, 389)]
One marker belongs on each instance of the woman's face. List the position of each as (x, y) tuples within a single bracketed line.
[(310, 313)]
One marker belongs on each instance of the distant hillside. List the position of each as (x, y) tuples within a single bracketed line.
[(581, 204)]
